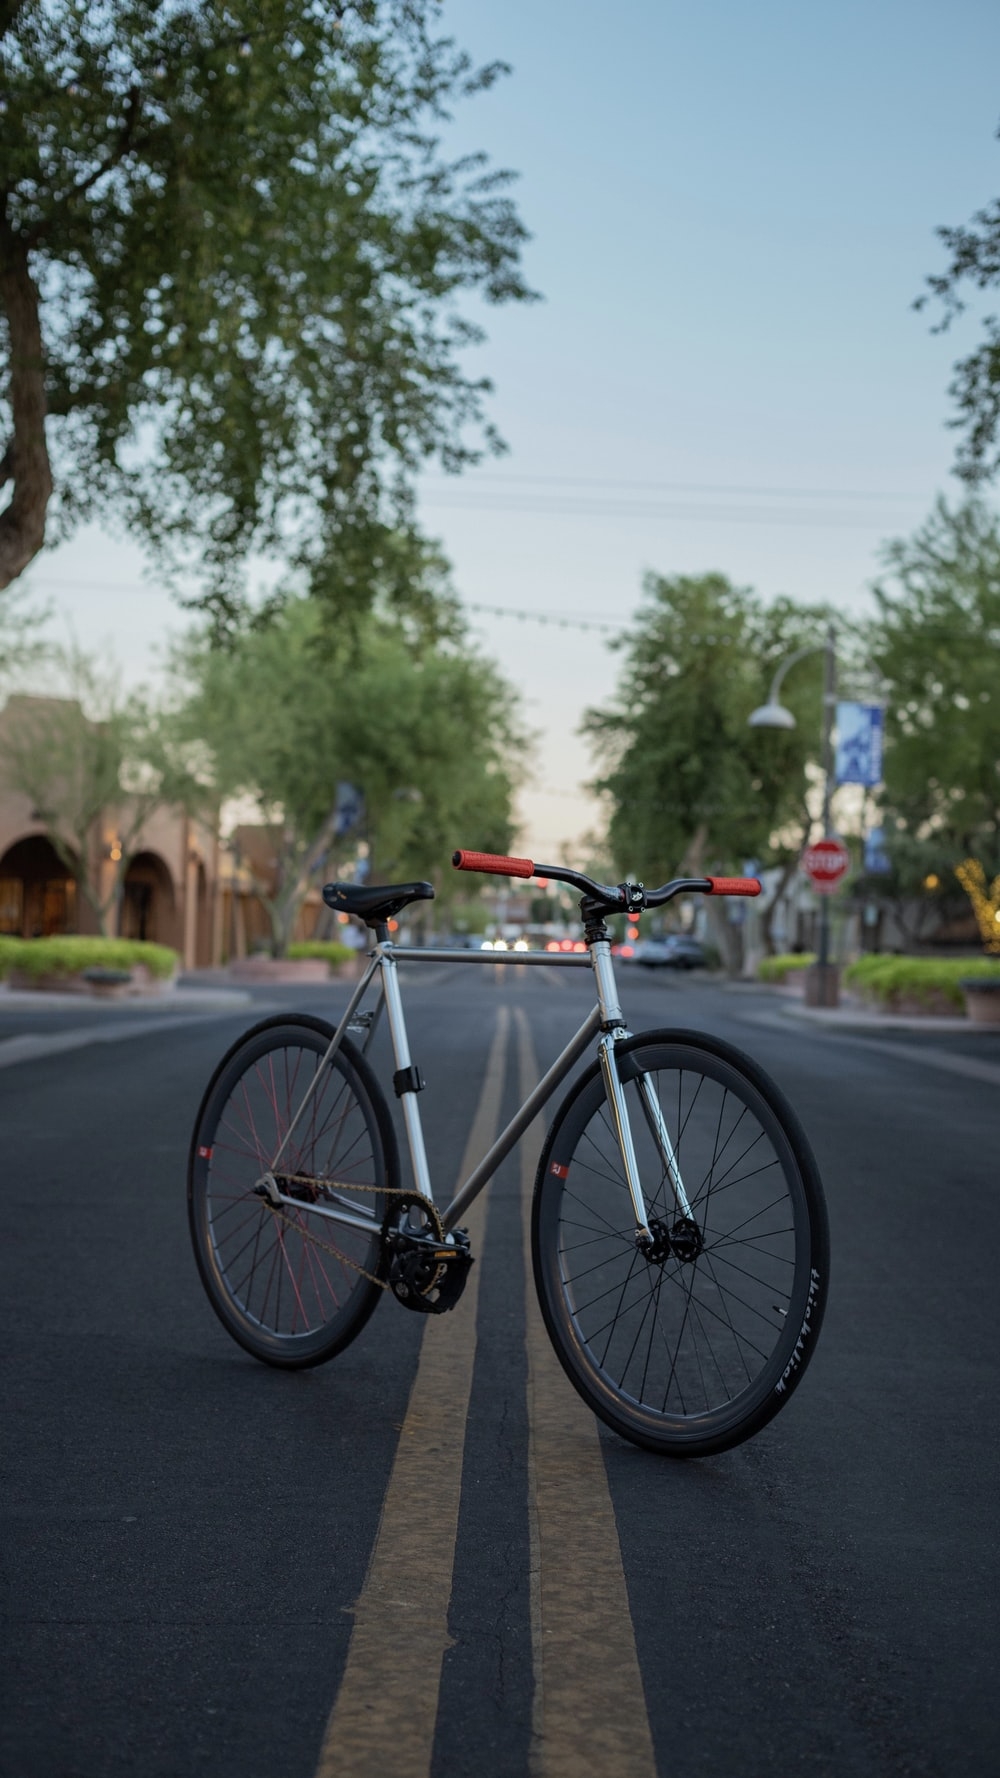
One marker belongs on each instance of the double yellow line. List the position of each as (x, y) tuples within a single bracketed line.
[(589, 1711)]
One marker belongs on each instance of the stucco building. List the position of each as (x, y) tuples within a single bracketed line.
[(171, 891), (184, 886)]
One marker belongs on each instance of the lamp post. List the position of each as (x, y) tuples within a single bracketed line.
[(775, 715)]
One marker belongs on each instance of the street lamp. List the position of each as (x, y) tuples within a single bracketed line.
[(775, 715)]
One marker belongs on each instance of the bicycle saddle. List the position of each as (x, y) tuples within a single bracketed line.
[(376, 902)]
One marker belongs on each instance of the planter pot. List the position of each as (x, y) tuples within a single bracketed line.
[(982, 1001), (933, 1004), (102, 984), (280, 969), (822, 984)]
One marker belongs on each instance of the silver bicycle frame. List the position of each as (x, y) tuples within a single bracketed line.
[(605, 1021)]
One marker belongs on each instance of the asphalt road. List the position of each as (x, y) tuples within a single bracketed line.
[(192, 1540)]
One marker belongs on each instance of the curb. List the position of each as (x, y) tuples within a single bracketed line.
[(183, 999), (859, 1020)]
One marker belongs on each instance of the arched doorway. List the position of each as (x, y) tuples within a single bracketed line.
[(37, 893), (149, 907)]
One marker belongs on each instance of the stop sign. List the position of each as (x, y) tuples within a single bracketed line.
[(825, 863)]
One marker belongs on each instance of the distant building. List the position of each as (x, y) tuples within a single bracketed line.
[(183, 888), (171, 886)]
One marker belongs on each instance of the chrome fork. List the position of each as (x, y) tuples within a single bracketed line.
[(614, 1031)]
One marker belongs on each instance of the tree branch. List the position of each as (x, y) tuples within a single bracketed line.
[(115, 155)]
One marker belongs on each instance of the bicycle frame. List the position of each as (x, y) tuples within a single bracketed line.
[(605, 1021)]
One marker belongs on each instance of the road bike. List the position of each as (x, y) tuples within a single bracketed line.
[(679, 1232)]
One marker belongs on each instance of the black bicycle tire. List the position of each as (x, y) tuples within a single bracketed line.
[(702, 1435), (279, 1350)]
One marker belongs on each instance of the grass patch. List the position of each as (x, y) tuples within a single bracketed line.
[(71, 955), (891, 980), (777, 969), (328, 950)]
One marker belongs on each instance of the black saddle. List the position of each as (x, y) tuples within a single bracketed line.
[(375, 903)]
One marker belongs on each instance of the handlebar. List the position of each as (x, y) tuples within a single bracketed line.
[(613, 897)]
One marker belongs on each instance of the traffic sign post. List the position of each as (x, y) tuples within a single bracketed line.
[(825, 864)]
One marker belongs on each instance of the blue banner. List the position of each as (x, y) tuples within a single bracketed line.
[(876, 860), (349, 808), (858, 757)]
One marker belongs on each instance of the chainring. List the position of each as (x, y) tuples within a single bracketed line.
[(427, 1270)]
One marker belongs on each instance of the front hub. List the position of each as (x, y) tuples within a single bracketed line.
[(681, 1240)]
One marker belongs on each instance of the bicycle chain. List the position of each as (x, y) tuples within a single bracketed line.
[(390, 1191)]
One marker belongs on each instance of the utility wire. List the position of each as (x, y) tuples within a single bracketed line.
[(509, 477)]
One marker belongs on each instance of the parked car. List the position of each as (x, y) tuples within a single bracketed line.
[(677, 950)]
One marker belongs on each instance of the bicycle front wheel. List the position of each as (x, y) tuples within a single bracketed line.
[(691, 1347), (292, 1286)]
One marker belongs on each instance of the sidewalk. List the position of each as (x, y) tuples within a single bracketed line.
[(853, 1014)]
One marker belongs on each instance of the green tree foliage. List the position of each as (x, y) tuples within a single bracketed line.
[(974, 264), (232, 264), (935, 640), (426, 730), (692, 787)]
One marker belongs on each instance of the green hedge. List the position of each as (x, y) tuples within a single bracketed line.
[(775, 969), (326, 949), (888, 979), (72, 955)]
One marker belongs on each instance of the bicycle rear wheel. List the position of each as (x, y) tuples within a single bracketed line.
[(290, 1285), (694, 1348)]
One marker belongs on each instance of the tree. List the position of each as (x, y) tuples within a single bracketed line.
[(93, 758), (935, 641), (691, 785), (231, 258), (425, 730), (975, 263)]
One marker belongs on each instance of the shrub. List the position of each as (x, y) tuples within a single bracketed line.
[(891, 979), (776, 969), (327, 949), (71, 955)]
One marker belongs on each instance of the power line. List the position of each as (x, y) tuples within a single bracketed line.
[(568, 506), (507, 478)]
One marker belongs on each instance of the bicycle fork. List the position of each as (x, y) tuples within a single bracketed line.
[(613, 1032)]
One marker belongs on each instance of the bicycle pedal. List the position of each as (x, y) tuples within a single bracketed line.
[(429, 1277)]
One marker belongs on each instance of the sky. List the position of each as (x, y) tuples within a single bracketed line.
[(732, 209)]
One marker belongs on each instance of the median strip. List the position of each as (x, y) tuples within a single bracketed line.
[(386, 1709), (589, 1717)]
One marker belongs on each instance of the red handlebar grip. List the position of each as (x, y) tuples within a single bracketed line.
[(734, 886), (494, 863)]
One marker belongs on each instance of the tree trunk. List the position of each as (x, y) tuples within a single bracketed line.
[(788, 871), (693, 862), (25, 461)]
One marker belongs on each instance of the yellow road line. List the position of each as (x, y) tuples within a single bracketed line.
[(384, 1716), (589, 1717)]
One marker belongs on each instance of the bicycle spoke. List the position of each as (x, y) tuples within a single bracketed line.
[(288, 1275)]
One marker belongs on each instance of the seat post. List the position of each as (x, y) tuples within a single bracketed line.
[(401, 1052)]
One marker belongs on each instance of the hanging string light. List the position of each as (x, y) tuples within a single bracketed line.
[(548, 618), (985, 901)]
